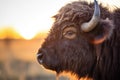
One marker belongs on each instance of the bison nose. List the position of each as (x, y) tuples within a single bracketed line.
[(40, 55)]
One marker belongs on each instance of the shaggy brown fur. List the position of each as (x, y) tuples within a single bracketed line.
[(95, 54)]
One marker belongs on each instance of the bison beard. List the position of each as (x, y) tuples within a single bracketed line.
[(94, 54)]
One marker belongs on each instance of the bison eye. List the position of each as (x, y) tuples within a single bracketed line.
[(70, 32)]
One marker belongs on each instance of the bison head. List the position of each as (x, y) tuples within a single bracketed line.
[(70, 45)]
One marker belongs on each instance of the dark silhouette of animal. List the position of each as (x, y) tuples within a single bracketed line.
[(84, 40)]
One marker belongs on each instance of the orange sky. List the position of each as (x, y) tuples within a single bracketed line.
[(11, 33), (26, 18)]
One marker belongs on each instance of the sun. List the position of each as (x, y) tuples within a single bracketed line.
[(28, 30)]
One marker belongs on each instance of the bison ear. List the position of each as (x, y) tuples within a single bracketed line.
[(102, 32)]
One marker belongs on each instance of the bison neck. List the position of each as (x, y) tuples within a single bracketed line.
[(108, 59)]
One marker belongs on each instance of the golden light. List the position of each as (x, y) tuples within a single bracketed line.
[(9, 33), (30, 29)]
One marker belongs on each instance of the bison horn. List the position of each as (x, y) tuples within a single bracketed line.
[(88, 26)]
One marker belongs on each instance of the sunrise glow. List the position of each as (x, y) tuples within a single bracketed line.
[(31, 29)]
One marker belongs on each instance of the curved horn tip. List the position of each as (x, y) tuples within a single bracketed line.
[(97, 9)]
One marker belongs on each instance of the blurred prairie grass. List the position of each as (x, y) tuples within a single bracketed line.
[(18, 60)]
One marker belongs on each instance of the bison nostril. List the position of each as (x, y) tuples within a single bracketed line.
[(41, 53), (39, 57)]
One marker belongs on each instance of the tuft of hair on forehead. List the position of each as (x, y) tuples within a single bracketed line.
[(73, 11)]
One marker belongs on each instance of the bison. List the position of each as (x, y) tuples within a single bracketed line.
[(84, 40)]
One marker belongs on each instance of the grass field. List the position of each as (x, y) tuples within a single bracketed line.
[(18, 61)]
